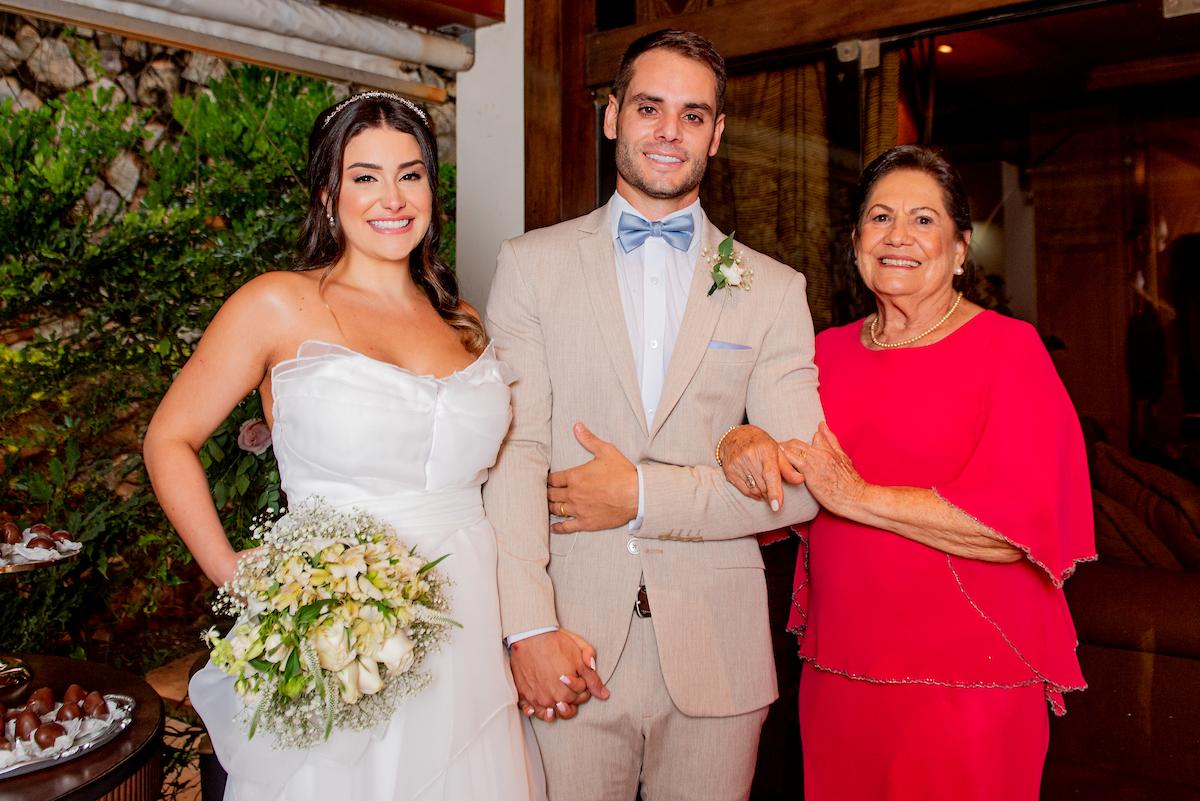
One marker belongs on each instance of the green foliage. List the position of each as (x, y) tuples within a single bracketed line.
[(116, 305), (447, 193)]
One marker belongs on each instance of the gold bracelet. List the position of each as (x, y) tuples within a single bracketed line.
[(717, 450)]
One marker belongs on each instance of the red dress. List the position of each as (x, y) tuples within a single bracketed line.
[(926, 672)]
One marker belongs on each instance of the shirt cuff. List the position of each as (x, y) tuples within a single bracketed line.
[(510, 639), (635, 525)]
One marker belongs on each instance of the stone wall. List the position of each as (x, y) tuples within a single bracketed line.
[(40, 60)]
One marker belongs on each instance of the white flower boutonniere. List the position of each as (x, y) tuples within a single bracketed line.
[(727, 269)]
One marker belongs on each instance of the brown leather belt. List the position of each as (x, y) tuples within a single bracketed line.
[(642, 607)]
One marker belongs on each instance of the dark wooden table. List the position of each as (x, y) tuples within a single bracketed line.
[(128, 768)]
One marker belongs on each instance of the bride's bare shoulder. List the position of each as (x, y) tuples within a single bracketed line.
[(282, 294), (265, 318)]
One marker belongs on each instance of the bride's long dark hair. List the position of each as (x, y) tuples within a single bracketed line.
[(322, 243)]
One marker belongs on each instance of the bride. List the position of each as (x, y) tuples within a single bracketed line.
[(381, 394)]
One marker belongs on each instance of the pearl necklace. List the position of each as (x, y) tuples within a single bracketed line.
[(922, 335)]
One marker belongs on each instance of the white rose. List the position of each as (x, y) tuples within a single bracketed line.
[(733, 276), (368, 676), (348, 676), (330, 642), (397, 653)]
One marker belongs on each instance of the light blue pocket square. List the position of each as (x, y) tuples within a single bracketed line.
[(717, 344)]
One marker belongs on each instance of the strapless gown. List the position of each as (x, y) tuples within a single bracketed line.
[(412, 450)]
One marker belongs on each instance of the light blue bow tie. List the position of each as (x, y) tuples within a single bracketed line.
[(633, 231)]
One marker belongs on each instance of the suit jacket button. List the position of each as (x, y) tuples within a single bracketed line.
[(632, 546)]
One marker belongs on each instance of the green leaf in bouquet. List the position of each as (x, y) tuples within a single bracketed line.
[(309, 613), (254, 721), (292, 669), (262, 665), (425, 568)]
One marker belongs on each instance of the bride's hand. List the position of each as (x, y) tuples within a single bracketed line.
[(225, 572)]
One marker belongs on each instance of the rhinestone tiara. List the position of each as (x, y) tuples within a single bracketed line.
[(364, 95)]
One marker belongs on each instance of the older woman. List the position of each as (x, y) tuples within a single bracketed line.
[(955, 501)]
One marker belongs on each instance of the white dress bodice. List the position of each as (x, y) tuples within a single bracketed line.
[(359, 431)]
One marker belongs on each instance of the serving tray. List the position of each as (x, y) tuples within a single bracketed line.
[(120, 717)]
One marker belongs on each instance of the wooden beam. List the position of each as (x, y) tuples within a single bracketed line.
[(432, 14), (751, 28), (157, 33), (1143, 71), (560, 135)]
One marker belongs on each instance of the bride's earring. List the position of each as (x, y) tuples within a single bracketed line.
[(332, 222)]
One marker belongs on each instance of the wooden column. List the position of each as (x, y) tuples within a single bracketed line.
[(560, 116), (1085, 255)]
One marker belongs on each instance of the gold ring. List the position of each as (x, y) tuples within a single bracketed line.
[(750, 482), (562, 509)]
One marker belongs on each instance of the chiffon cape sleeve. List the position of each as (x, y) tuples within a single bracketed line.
[(1027, 479), (1027, 483)]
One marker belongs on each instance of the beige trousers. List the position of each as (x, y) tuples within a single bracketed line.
[(638, 737)]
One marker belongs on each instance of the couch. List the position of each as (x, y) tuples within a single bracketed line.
[(1135, 733)]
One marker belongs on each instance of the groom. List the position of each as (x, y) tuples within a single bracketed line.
[(612, 515)]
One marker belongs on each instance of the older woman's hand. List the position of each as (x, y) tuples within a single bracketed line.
[(754, 464), (827, 470)]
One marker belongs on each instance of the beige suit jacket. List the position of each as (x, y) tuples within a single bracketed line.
[(556, 318)]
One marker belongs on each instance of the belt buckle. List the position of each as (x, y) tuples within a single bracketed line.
[(642, 607)]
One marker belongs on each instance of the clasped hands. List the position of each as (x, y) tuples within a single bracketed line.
[(756, 465), (554, 672)]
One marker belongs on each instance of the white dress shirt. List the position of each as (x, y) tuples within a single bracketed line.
[(653, 281)]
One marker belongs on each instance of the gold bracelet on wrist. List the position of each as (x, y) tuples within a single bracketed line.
[(717, 450)]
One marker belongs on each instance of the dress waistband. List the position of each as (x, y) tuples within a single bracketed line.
[(418, 513)]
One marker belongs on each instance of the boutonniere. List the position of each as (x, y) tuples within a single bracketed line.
[(727, 269)]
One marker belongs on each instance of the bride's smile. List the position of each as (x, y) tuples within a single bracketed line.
[(385, 200)]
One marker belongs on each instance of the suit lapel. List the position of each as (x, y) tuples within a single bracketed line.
[(695, 331), (599, 272)]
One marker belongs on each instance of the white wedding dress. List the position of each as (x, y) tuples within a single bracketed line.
[(413, 451)]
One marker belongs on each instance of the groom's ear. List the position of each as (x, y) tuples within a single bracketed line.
[(611, 112), (718, 130)]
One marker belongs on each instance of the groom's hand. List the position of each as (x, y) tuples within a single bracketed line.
[(598, 495), (554, 673)]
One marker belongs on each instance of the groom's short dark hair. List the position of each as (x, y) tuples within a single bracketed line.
[(685, 43)]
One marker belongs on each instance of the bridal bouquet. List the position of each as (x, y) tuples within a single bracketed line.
[(334, 616)]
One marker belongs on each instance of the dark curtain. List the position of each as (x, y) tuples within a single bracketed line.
[(770, 180)]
